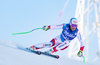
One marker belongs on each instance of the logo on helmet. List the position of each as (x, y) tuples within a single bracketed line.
[(73, 21)]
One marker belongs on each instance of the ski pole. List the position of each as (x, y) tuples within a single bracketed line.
[(26, 32), (83, 59)]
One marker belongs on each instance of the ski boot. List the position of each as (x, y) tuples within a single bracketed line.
[(32, 48), (51, 51)]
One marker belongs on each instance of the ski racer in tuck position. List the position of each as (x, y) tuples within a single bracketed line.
[(62, 41)]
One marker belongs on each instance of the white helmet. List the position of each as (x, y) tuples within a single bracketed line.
[(73, 21)]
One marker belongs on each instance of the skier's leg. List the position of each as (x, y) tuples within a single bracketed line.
[(55, 42), (60, 46), (52, 43), (41, 45)]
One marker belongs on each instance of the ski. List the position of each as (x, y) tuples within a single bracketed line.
[(31, 51), (50, 55), (39, 52)]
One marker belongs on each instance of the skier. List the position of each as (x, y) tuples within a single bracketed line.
[(62, 41)]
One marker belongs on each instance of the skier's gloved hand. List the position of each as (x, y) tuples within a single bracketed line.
[(80, 53), (46, 28)]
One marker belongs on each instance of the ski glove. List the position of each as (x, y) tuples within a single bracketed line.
[(46, 28), (80, 53)]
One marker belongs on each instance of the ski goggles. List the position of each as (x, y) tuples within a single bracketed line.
[(73, 25)]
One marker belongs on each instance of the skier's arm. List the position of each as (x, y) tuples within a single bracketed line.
[(56, 26), (80, 53), (81, 41), (53, 27)]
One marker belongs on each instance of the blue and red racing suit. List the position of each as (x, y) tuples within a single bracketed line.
[(61, 42)]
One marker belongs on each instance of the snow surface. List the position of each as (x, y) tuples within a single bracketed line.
[(10, 55)]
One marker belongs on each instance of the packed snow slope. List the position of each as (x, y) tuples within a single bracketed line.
[(10, 55)]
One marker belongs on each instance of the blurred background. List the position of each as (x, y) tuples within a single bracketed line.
[(24, 15)]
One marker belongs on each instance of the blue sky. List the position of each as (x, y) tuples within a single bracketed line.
[(25, 15)]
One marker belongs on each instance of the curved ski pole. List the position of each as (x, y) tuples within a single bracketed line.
[(26, 32)]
